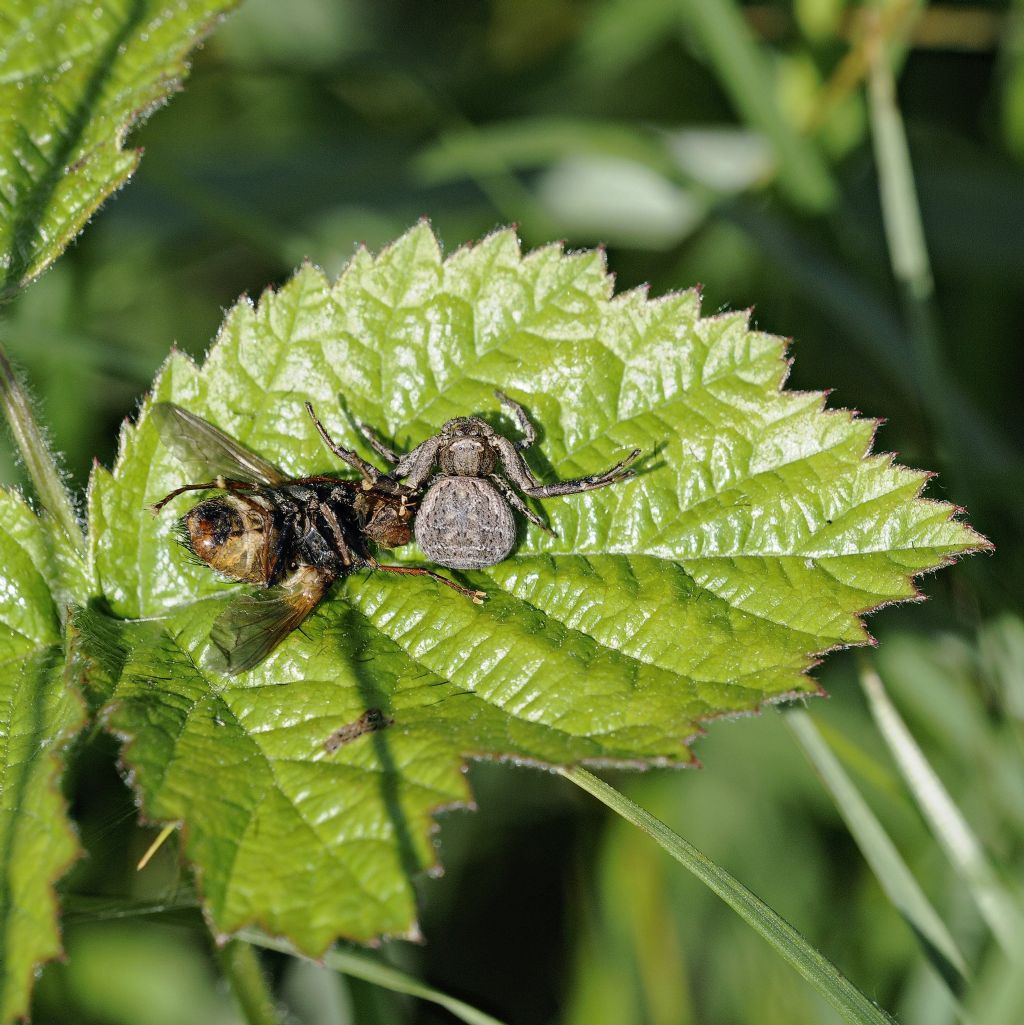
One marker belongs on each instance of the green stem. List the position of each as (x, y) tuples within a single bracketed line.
[(241, 967), (747, 76), (808, 961), (39, 460)]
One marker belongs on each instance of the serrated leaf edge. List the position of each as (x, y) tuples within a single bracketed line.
[(974, 541)]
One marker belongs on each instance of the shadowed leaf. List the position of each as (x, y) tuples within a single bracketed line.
[(38, 713), (74, 78)]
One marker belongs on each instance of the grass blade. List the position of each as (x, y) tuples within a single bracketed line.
[(908, 254), (806, 959), (889, 868), (361, 966), (903, 229), (743, 69), (950, 828)]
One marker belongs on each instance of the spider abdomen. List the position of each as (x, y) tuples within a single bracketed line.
[(464, 523)]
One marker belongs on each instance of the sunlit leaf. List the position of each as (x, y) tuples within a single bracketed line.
[(74, 78), (754, 536), (38, 713)]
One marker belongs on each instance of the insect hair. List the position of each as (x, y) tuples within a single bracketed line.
[(183, 537)]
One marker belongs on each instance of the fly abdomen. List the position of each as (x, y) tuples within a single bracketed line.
[(238, 535)]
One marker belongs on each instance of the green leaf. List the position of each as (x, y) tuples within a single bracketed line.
[(39, 712), (755, 535), (74, 78)]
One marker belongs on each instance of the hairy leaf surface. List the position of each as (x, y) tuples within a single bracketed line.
[(38, 713), (74, 78), (755, 534)]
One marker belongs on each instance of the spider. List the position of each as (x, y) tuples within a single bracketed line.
[(465, 516)]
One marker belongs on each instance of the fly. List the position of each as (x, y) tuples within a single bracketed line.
[(290, 536)]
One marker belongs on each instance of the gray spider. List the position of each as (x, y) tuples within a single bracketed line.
[(465, 517)]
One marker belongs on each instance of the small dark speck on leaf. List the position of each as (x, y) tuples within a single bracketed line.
[(370, 721)]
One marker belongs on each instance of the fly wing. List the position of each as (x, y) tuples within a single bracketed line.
[(208, 449), (249, 629)]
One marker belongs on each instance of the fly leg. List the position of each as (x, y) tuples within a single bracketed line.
[(518, 504), (477, 597), (344, 551), (220, 484)]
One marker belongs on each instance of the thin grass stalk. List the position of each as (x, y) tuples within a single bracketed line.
[(880, 852), (948, 825), (824, 976)]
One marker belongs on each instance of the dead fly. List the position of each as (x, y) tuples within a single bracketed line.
[(292, 536)]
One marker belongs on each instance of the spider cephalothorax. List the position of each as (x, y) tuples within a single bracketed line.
[(466, 448)]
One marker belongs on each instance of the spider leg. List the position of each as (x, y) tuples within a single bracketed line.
[(518, 504), (613, 475), (377, 443), (520, 475), (417, 465), (522, 420), (370, 474), (412, 463)]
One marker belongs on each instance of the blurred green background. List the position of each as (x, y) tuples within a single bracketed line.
[(699, 141)]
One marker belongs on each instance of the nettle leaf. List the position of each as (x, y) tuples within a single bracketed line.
[(74, 78), (755, 535), (38, 715)]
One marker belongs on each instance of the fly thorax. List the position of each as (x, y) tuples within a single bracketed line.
[(236, 536), (384, 520)]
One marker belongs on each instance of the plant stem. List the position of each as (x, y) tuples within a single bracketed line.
[(39, 461), (806, 959), (241, 967), (747, 76)]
